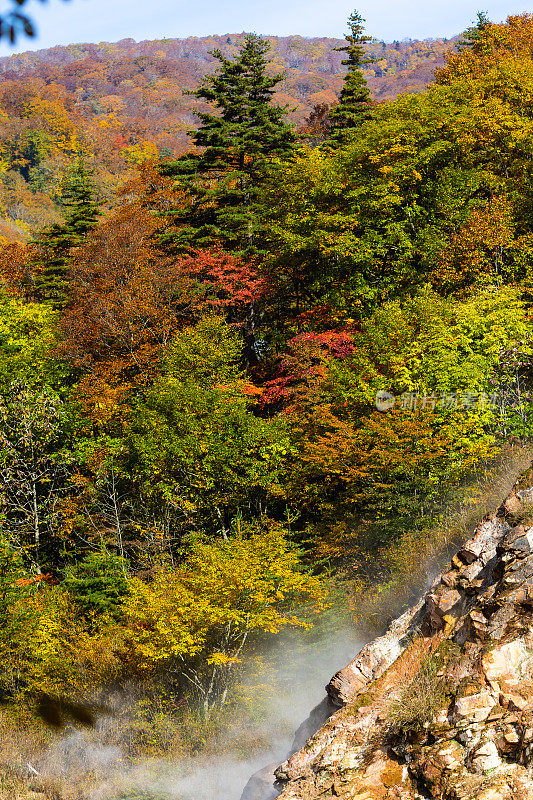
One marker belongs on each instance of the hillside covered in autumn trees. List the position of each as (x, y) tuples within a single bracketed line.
[(243, 373), (125, 104)]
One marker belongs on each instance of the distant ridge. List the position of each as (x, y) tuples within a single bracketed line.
[(124, 104), (313, 65)]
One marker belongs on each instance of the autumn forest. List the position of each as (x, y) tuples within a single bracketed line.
[(265, 311)]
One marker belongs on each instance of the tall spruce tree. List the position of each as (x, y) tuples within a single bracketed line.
[(354, 102), (54, 244), (79, 198), (474, 34), (223, 183)]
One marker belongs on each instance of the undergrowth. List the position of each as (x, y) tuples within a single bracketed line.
[(420, 701)]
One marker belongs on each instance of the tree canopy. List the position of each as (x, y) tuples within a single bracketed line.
[(259, 375), (223, 183)]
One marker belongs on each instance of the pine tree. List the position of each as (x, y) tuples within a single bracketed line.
[(474, 33), (79, 198), (223, 184), (354, 101), (52, 248), (54, 244)]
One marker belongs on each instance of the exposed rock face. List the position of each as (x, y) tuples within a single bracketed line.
[(441, 706), (261, 785)]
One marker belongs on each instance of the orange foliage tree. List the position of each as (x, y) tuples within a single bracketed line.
[(128, 300)]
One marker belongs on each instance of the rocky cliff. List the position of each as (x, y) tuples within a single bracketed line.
[(441, 706)]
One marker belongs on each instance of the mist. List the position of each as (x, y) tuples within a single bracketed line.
[(289, 680)]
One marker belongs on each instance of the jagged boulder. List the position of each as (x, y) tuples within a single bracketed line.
[(441, 706)]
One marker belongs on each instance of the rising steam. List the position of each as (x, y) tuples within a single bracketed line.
[(294, 673)]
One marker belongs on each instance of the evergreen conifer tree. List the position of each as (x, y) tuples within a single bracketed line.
[(79, 198), (51, 248), (54, 243), (354, 101), (474, 33), (223, 183)]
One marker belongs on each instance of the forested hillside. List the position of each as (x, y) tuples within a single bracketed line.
[(248, 384), (123, 104)]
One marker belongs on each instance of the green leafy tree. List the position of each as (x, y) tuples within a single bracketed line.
[(354, 101), (362, 474), (418, 195), (223, 184), (26, 339), (197, 452), (34, 469), (195, 621)]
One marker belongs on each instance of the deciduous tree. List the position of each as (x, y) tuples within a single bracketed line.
[(195, 622), (34, 466)]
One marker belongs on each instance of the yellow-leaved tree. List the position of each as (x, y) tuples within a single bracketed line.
[(194, 621)]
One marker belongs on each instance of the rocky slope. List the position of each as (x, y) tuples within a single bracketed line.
[(441, 706)]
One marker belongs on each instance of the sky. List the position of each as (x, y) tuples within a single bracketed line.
[(73, 21)]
